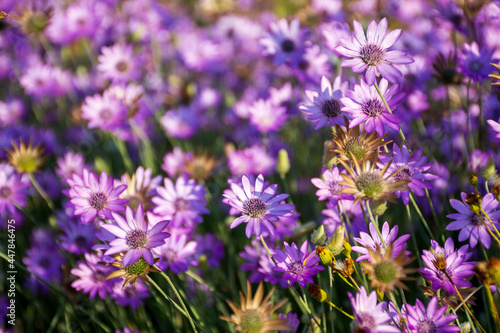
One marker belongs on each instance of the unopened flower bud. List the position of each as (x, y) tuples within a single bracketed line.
[(473, 181), (493, 268), (325, 255), (329, 157), (465, 327), (336, 244), (283, 165), (347, 248), (379, 207), (318, 236), (317, 293), (474, 202), (489, 171)]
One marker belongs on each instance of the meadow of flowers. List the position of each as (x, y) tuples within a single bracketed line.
[(250, 165)]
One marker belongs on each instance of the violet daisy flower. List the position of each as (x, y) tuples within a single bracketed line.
[(374, 53), (325, 106), (297, 265), (329, 187), (414, 170), (92, 277), (134, 236), (177, 253), (181, 123), (475, 62), (470, 224), (13, 190), (210, 249), (373, 241), (181, 203), (430, 319), (118, 63), (292, 321), (370, 316), (69, 164), (95, 197), (259, 205), (495, 126), (131, 295), (104, 112), (447, 267), (251, 160), (266, 116), (365, 106), (78, 238), (285, 41)]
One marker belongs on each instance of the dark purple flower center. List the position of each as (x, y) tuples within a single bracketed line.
[(304, 64), (98, 200), (80, 241), (476, 220), (426, 326), (331, 108), (372, 54), (287, 45), (254, 207), (122, 66), (5, 192), (99, 276), (181, 204), (372, 107), (475, 65), (136, 239), (296, 267), (170, 255), (44, 262), (105, 114), (366, 320), (404, 174)]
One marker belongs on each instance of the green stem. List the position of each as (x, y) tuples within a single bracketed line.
[(489, 219), (41, 191), (422, 218), (267, 249), (168, 298), (122, 149), (306, 304), (375, 223)]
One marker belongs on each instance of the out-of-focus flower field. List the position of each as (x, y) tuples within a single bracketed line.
[(249, 165)]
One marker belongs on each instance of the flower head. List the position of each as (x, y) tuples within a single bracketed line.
[(324, 106), (266, 116), (254, 314), (92, 277), (118, 63), (135, 237), (104, 112), (472, 225), (365, 106), (176, 253), (297, 265), (330, 187), (474, 61), (374, 53), (285, 42), (259, 205), (430, 319), (132, 272), (13, 190), (26, 159), (140, 188)]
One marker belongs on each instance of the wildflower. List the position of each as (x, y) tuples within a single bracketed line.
[(254, 314), (386, 270), (324, 106), (330, 187), (251, 160), (473, 61), (367, 182), (182, 202), (104, 112), (69, 164), (26, 159), (292, 321), (131, 273), (430, 319), (412, 169), (285, 42), (92, 277), (451, 300), (374, 53), (370, 316), (472, 225), (446, 69), (118, 63), (365, 106), (372, 242), (447, 267), (335, 217), (130, 295), (13, 190), (176, 253), (78, 238), (297, 265), (259, 205), (199, 167), (181, 123), (351, 143), (140, 188), (266, 116), (134, 236), (210, 249), (94, 196)]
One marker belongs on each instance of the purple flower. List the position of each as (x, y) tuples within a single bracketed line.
[(259, 205), (370, 316), (414, 170), (92, 277), (177, 253), (313, 65), (69, 164), (130, 295), (118, 63), (474, 62), (470, 225), (374, 53), (495, 126), (447, 266), (13, 190), (365, 106), (95, 197), (266, 116), (181, 203), (135, 236), (78, 238), (181, 123), (477, 160), (104, 112), (211, 248), (42, 80), (325, 106), (430, 319), (373, 241), (351, 209), (329, 186), (297, 265), (285, 42), (251, 160), (292, 321), (175, 161)]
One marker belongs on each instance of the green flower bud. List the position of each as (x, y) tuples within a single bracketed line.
[(379, 207), (473, 181), (336, 244), (318, 236), (347, 248), (283, 165), (489, 171)]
